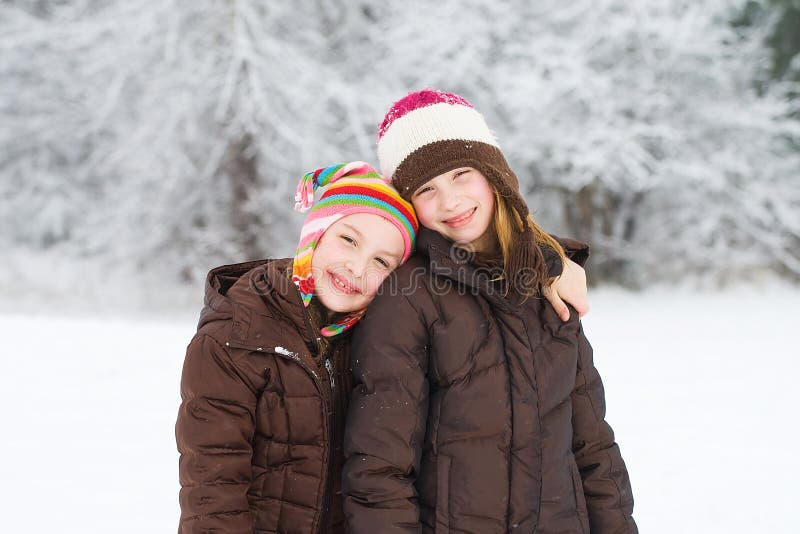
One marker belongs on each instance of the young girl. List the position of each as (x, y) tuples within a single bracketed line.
[(476, 409), (265, 380)]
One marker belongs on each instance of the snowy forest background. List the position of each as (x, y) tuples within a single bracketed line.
[(143, 143)]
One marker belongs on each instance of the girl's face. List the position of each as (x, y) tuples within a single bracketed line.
[(351, 260), (458, 204)]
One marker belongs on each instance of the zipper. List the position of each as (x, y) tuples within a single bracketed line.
[(326, 502), (284, 353), (329, 368)]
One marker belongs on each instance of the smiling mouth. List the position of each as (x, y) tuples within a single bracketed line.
[(343, 285), (461, 219)]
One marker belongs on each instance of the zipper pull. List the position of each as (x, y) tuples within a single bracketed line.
[(329, 368)]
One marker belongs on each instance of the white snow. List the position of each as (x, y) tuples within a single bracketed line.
[(699, 387), (701, 392)]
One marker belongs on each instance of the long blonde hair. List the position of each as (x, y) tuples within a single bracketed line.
[(508, 226)]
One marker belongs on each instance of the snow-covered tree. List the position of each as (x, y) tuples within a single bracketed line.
[(648, 135), (165, 137), (167, 133)]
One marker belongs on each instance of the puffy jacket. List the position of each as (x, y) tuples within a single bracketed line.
[(260, 426), (473, 413)]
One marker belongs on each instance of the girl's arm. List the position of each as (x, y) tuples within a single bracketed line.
[(214, 433), (386, 420), (569, 287), (606, 485)]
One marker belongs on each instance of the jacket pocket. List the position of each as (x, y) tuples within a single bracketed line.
[(580, 498), (443, 494)]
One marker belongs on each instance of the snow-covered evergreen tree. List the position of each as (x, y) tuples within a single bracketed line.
[(166, 137), (167, 133)]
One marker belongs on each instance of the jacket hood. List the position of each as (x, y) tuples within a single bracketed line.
[(253, 292), (446, 260)]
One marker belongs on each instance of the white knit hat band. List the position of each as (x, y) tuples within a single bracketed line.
[(429, 124)]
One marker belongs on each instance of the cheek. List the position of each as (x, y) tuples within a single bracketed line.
[(489, 200), (318, 259), (316, 263), (482, 191), (327, 252), (425, 212), (321, 261)]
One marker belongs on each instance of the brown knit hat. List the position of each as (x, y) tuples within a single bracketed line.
[(430, 132)]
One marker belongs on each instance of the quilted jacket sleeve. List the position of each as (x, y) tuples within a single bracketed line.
[(575, 250), (606, 485), (214, 432), (387, 418)]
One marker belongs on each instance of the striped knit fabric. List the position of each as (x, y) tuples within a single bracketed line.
[(343, 190)]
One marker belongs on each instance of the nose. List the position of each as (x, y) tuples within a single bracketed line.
[(356, 265), (448, 199)]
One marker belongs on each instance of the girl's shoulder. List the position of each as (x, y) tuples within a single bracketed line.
[(410, 281), (405, 294)]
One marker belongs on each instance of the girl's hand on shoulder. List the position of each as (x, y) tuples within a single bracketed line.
[(571, 288)]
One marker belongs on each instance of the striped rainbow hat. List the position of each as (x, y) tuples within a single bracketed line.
[(342, 190)]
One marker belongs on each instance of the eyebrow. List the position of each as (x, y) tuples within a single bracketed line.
[(353, 229), (392, 256), (387, 253), (381, 252)]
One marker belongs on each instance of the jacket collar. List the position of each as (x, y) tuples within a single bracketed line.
[(260, 298), (446, 260)]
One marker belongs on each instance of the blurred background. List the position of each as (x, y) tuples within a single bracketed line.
[(143, 143)]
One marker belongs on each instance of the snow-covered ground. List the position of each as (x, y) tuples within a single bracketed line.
[(700, 391)]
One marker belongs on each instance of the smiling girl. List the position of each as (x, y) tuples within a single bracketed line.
[(265, 379), (476, 408)]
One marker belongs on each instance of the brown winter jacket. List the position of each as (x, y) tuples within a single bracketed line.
[(259, 414), (475, 414)]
